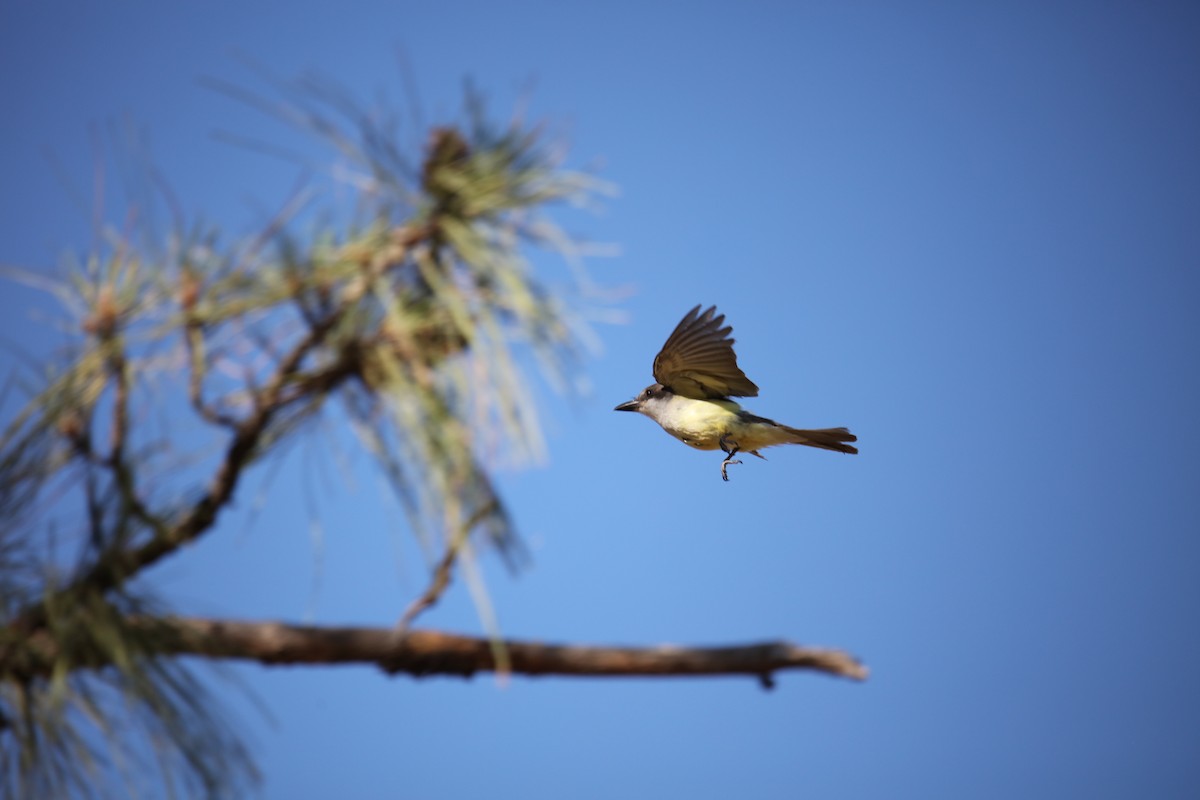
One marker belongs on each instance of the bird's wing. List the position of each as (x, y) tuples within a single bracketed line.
[(698, 361)]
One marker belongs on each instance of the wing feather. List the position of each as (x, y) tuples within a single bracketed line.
[(698, 361)]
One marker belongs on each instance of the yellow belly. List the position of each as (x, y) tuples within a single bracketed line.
[(702, 423)]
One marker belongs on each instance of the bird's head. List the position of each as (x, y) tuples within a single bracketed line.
[(647, 400)]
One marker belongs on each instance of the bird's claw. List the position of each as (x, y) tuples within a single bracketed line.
[(725, 465), (730, 450)]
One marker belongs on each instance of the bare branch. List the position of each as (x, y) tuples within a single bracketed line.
[(426, 653)]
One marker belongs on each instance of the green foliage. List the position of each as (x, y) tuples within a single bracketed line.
[(90, 710)]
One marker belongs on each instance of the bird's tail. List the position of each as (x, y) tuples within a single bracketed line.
[(825, 438)]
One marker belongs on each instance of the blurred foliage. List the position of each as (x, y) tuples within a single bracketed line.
[(407, 320)]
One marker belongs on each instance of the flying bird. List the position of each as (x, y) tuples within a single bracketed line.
[(696, 373)]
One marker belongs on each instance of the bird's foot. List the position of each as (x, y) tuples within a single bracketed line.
[(730, 449), (725, 465)]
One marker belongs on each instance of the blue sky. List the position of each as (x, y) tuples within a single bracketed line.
[(969, 232)]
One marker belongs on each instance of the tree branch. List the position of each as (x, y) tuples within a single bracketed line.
[(425, 653), (118, 566)]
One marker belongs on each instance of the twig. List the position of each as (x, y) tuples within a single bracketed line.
[(437, 586), (120, 408), (193, 337), (442, 572)]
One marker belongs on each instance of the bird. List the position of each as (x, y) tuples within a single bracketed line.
[(696, 374)]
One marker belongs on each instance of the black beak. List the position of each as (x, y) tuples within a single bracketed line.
[(628, 405)]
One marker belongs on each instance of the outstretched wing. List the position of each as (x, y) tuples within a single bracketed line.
[(698, 361)]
